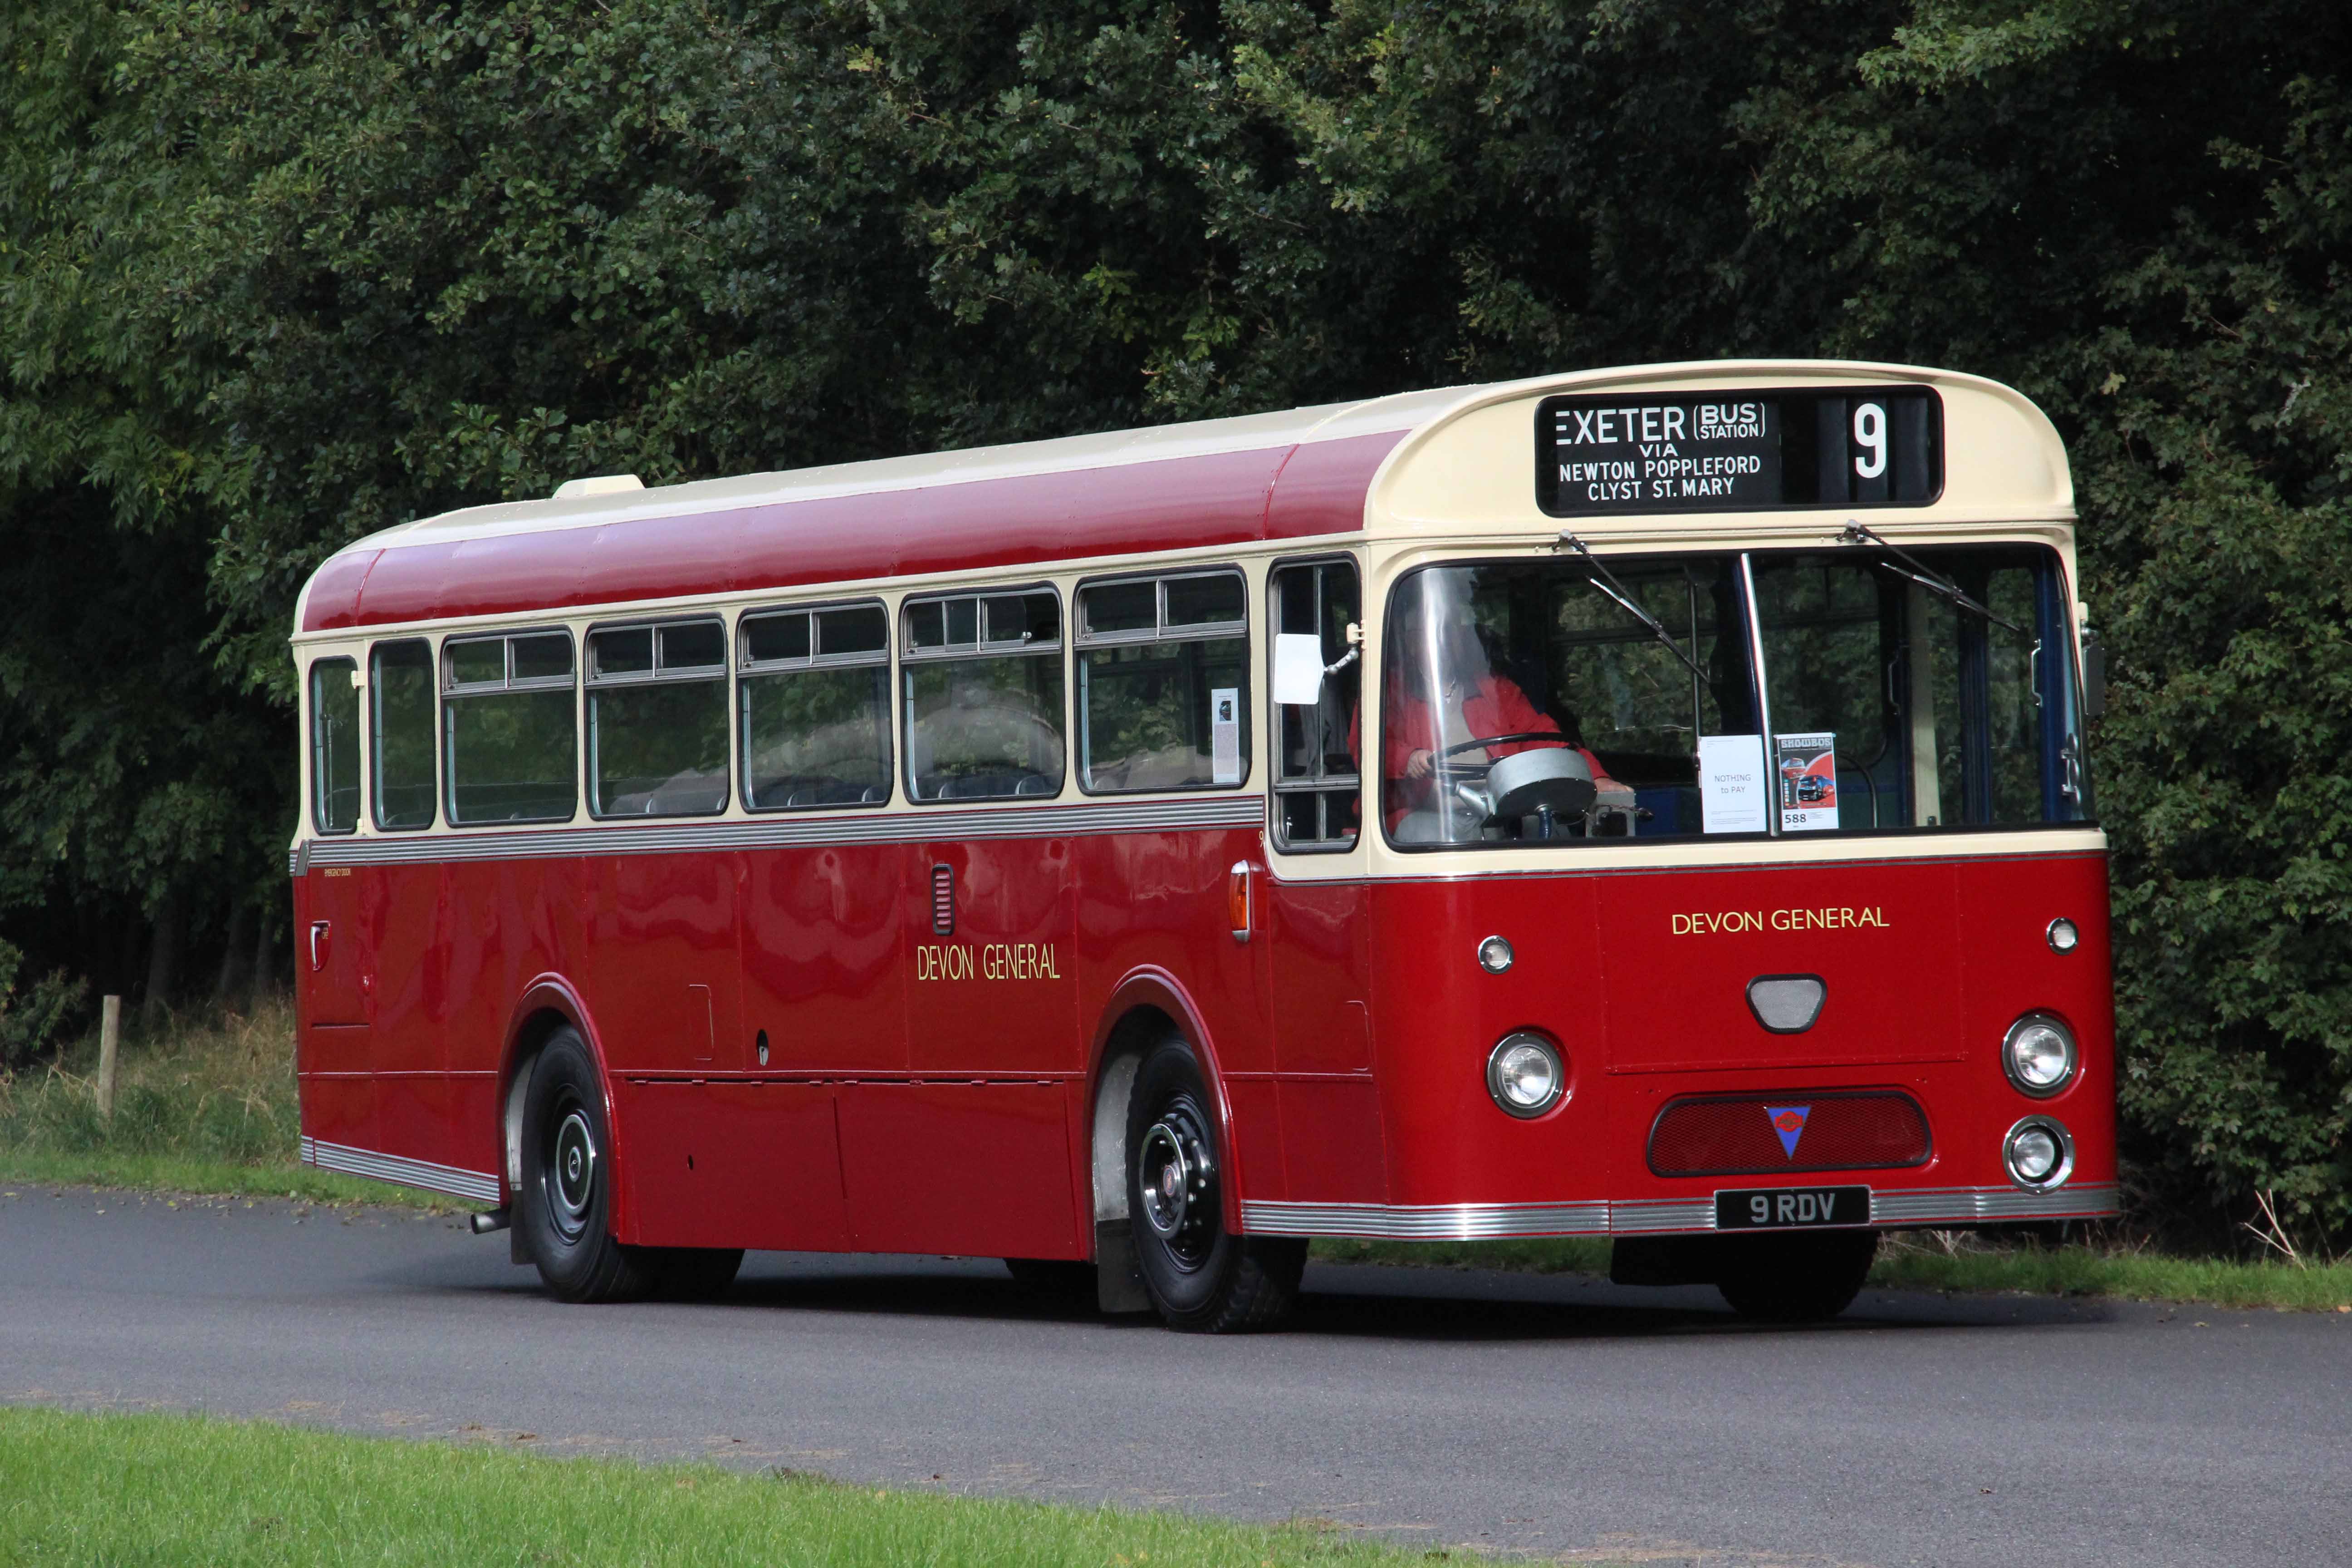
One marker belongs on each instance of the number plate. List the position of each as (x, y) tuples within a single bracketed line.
[(1791, 1208)]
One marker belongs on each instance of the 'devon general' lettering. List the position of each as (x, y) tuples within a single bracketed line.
[(992, 961), (1715, 922)]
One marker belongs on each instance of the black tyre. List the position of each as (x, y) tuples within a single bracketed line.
[(565, 1207), (1199, 1277), (1795, 1278), (696, 1273)]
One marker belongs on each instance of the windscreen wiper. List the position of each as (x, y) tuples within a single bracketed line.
[(1615, 590), (1927, 576)]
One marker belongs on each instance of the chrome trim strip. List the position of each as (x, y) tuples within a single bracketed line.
[(1974, 1205), (1652, 1216), (479, 1186), (1425, 1222), (805, 830), (1648, 1216)]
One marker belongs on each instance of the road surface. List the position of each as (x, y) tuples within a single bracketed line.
[(1548, 1417)]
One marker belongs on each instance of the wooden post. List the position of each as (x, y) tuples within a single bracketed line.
[(109, 1036)]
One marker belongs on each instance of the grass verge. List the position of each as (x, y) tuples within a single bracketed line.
[(151, 1489), (1946, 1260), (200, 1107)]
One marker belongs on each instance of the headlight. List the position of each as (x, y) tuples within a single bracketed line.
[(2062, 936), (2039, 1056), (1525, 1074), (2039, 1154)]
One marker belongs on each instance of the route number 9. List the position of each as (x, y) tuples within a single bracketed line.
[(1870, 435)]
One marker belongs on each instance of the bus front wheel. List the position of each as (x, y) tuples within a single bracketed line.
[(1199, 1276), (1793, 1277), (566, 1202)]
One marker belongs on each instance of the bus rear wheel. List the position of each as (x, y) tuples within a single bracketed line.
[(1795, 1278), (565, 1206), (1200, 1276)]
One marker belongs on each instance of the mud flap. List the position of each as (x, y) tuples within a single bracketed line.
[(1118, 1277)]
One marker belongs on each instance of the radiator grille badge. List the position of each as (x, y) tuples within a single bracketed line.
[(1788, 1121)]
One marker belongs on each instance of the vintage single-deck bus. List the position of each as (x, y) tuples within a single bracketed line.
[(1646, 802)]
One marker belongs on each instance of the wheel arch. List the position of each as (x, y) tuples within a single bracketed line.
[(1145, 1007), (546, 1005)]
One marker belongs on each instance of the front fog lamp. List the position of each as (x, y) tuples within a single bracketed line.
[(1525, 1074), (2039, 1154), (2039, 1056)]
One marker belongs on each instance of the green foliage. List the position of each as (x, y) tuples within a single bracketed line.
[(274, 275), (34, 1018)]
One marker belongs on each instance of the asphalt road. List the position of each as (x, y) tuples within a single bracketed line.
[(1551, 1416)]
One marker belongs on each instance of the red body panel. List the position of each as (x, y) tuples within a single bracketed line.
[(1647, 1011), (941, 1109)]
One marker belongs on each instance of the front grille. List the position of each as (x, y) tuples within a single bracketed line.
[(1759, 1134)]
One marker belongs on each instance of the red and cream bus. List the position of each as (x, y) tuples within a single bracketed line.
[(1645, 802)]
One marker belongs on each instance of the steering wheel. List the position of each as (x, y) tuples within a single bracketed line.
[(1552, 735)]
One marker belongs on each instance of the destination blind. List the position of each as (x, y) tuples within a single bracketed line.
[(1739, 450)]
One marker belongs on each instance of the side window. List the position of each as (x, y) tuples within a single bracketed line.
[(1318, 743), (1163, 683), (400, 686), (334, 745), (815, 699), (509, 738), (984, 684), (657, 720)]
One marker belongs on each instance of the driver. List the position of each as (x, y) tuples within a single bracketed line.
[(1473, 701)]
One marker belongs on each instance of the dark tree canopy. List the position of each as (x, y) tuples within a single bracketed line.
[(273, 275)]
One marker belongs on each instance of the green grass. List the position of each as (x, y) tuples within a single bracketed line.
[(1949, 1262), (1910, 1263), (154, 1489)]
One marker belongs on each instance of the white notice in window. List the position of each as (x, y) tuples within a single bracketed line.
[(1225, 733), (1734, 793)]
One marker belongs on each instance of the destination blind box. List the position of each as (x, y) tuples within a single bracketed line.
[(1757, 450)]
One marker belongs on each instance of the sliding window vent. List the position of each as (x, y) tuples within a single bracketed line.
[(943, 901)]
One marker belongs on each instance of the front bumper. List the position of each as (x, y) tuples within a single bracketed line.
[(1890, 1208)]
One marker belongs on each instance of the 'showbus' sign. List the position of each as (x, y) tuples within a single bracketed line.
[(1738, 451)]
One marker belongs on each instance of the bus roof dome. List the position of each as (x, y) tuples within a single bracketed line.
[(1440, 458)]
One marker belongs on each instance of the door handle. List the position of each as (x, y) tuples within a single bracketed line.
[(323, 942)]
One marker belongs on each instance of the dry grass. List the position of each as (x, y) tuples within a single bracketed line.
[(203, 1105)]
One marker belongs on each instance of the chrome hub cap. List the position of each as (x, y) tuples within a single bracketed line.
[(575, 1174), (1176, 1180), (1167, 1179)]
